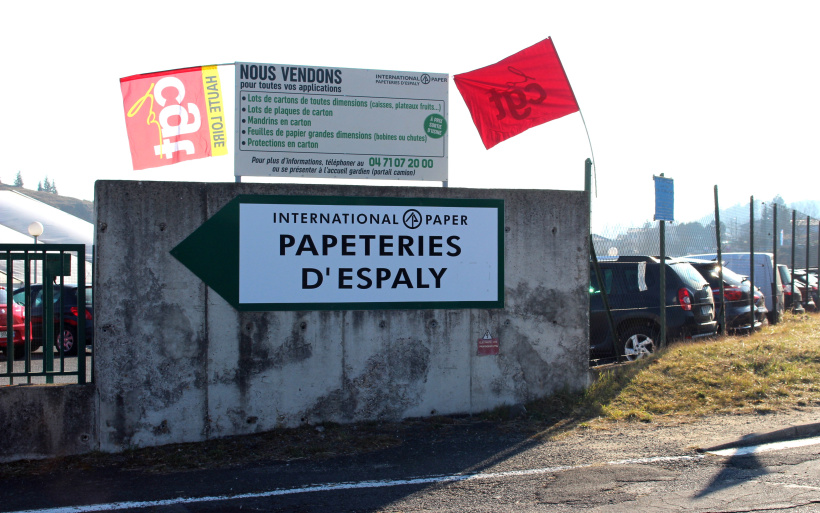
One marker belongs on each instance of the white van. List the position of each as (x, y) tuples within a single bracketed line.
[(765, 278)]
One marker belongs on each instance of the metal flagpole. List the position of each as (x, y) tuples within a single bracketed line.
[(594, 169)]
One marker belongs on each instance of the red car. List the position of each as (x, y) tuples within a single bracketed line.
[(18, 326)]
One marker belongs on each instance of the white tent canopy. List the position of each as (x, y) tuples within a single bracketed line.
[(9, 236), (17, 211)]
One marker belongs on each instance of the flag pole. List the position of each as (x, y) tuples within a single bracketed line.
[(594, 170), (592, 153)]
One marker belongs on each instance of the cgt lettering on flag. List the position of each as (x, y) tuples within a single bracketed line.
[(174, 116), (516, 99), (517, 93)]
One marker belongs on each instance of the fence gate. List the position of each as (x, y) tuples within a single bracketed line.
[(46, 315)]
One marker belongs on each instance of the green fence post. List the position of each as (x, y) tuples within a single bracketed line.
[(81, 306), (616, 337), (808, 237), (722, 313), (794, 248), (9, 318), (752, 257), (662, 338), (53, 266), (775, 316), (48, 321)]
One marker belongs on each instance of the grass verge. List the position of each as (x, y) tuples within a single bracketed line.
[(774, 369)]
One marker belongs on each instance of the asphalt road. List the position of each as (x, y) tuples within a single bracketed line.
[(479, 467)]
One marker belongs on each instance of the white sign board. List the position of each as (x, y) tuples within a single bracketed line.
[(315, 122), (370, 253)]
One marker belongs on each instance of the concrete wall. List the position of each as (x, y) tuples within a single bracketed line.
[(46, 421), (177, 363)]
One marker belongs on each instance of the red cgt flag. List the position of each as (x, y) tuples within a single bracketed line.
[(522, 91), (173, 116)]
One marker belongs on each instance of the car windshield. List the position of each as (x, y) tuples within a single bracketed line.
[(692, 277), (732, 278), (711, 272), (4, 298), (72, 296)]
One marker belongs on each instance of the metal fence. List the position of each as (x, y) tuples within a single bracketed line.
[(792, 236), (768, 229), (45, 282)]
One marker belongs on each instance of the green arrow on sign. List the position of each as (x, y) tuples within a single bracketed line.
[(212, 252)]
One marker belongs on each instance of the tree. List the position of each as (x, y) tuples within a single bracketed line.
[(18, 182), (47, 186)]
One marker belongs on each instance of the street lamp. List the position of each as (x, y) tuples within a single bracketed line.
[(35, 229)]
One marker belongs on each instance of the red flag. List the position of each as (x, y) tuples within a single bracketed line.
[(174, 116), (517, 93)]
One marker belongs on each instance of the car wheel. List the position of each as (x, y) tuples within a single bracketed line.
[(638, 342), (67, 342)]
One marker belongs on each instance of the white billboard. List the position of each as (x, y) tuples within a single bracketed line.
[(370, 253), (320, 122)]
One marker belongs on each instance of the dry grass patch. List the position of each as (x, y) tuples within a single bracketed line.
[(772, 370)]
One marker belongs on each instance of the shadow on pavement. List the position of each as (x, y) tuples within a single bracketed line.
[(736, 470)]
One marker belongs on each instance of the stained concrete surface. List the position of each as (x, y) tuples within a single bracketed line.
[(177, 363)]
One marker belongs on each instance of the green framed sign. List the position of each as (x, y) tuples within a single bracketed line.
[(268, 253)]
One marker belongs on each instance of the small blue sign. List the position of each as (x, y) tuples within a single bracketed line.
[(664, 199)]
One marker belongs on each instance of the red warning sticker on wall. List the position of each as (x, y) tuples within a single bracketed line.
[(487, 345)]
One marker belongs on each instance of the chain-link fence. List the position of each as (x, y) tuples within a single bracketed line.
[(792, 236), (628, 279)]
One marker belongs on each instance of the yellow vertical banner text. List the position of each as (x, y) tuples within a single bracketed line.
[(216, 111)]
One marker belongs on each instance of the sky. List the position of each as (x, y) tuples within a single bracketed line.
[(708, 93)]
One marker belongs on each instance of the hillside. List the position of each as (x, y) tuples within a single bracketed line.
[(80, 208)]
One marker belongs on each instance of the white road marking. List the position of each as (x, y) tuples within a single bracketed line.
[(790, 485), (774, 446), (114, 506)]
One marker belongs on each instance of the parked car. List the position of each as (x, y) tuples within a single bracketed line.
[(18, 326), (632, 286), (765, 277), (792, 296), (65, 340), (737, 289), (811, 286), (806, 298)]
